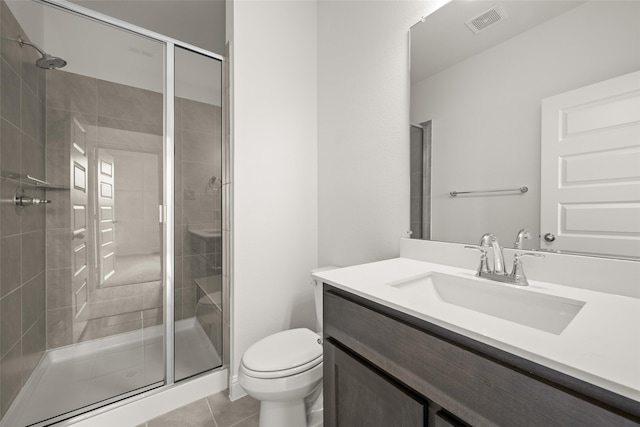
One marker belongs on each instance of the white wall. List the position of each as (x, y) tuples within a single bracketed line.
[(200, 23), (486, 115), (275, 169), (363, 131), (31, 18), (104, 52)]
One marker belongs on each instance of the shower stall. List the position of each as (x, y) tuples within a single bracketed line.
[(113, 211)]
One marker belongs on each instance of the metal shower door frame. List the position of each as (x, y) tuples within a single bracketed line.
[(167, 209)]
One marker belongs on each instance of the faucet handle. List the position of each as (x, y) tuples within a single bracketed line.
[(517, 274), (484, 263), (519, 255)]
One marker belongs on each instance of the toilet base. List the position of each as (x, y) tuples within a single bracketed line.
[(290, 413), (316, 419), (315, 408)]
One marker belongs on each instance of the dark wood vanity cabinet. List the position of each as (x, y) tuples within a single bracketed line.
[(385, 368), (360, 395)]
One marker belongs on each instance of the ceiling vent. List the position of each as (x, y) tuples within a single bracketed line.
[(486, 19)]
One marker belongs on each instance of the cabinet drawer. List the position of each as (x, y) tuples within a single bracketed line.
[(477, 389)]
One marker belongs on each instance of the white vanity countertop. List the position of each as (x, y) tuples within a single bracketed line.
[(600, 346)]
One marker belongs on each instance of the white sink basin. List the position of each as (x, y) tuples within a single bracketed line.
[(544, 312)]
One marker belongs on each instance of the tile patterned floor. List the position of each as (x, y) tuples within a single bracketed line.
[(213, 411)]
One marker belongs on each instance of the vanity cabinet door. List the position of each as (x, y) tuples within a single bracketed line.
[(358, 395), (445, 419)]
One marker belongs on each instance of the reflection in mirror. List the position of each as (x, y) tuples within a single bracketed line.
[(537, 94), (130, 178)]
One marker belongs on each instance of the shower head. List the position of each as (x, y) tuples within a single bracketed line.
[(45, 61), (49, 62)]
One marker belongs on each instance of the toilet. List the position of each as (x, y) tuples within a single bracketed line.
[(284, 372)]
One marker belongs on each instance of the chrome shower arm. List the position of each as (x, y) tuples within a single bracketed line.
[(24, 42), (45, 61)]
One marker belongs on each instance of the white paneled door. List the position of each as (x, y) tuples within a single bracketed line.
[(106, 215), (79, 225), (590, 170)]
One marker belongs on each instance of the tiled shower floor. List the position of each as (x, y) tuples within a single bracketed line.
[(88, 373)]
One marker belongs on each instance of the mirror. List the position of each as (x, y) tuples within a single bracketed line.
[(503, 136)]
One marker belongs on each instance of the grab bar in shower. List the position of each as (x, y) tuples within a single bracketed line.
[(522, 189)]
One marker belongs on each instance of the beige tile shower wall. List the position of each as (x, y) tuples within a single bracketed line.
[(198, 206), (69, 97), (137, 125), (22, 237), (116, 117)]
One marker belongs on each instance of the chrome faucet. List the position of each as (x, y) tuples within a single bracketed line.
[(522, 234), (490, 239), (499, 274)]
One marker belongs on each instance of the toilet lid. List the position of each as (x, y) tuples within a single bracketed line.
[(283, 351)]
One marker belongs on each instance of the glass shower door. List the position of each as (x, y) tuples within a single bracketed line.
[(199, 319), (98, 122)]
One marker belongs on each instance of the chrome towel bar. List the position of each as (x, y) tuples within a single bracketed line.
[(522, 189)]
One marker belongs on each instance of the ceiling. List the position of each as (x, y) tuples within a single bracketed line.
[(442, 39)]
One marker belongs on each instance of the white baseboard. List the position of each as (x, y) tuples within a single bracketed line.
[(235, 389)]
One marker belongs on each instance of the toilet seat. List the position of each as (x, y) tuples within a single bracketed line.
[(283, 354), (281, 373)]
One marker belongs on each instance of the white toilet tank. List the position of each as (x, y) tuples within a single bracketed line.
[(317, 294)]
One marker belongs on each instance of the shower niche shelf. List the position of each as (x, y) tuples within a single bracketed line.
[(38, 183)]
